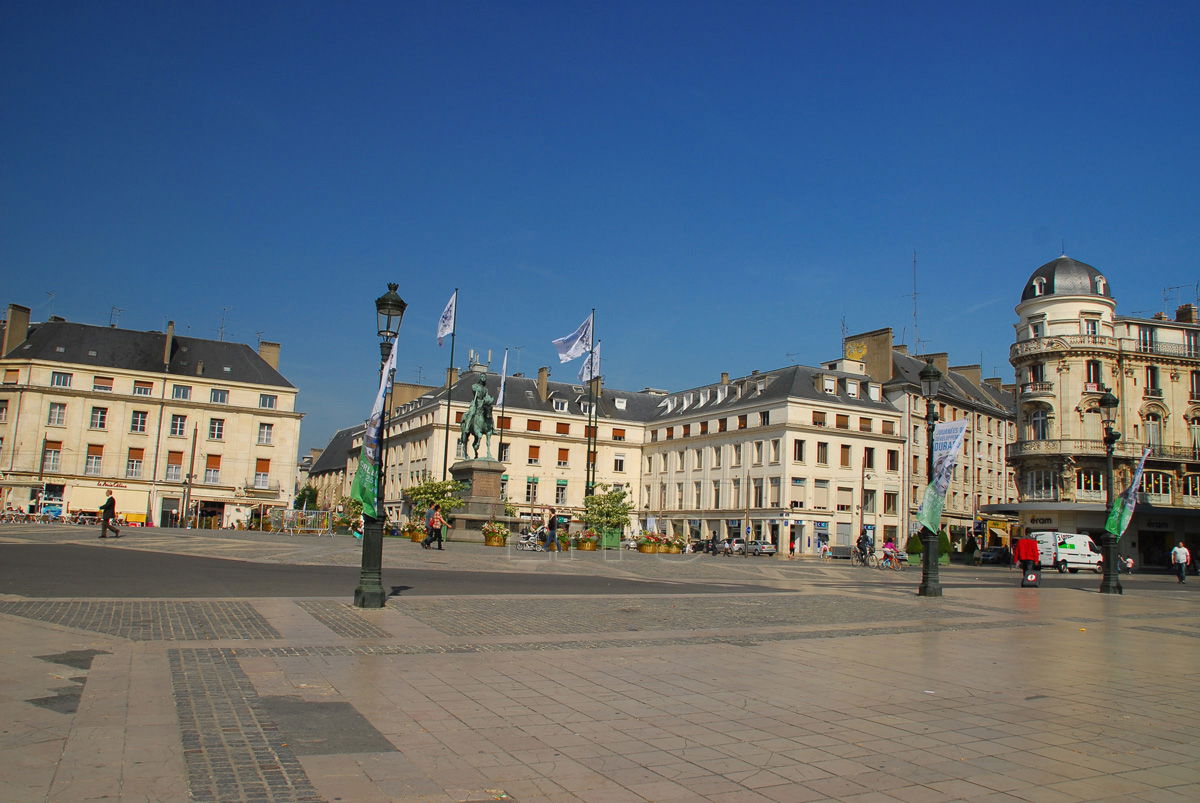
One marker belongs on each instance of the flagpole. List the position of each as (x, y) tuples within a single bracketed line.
[(449, 388), (590, 474), (503, 401)]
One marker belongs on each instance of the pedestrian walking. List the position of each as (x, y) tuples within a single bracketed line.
[(1025, 553), (552, 529), (1180, 559), (433, 527), (108, 512)]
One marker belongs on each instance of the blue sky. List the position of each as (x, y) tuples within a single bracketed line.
[(726, 183)]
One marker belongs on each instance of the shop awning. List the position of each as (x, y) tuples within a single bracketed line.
[(998, 533), (20, 483)]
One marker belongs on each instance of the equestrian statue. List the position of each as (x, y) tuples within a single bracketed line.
[(477, 421)]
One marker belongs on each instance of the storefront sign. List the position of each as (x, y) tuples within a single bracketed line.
[(106, 484), (1041, 521)]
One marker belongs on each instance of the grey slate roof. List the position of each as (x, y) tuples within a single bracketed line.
[(106, 347), (334, 456), (794, 381), (1067, 277), (906, 369)]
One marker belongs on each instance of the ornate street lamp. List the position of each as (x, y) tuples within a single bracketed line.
[(931, 586), (389, 312), (1111, 582)]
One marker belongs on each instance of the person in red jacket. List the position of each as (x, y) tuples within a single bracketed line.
[(1026, 554)]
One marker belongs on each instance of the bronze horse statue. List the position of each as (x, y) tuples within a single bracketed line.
[(477, 421)]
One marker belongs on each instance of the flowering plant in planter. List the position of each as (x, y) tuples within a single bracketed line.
[(676, 541), (646, 537), (491, 529), (588, 537)]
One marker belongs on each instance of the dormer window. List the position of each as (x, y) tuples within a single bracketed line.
[(560, 405), (830, 384), (1100, 285), (619, 404), (851, 388), (1039, 286)]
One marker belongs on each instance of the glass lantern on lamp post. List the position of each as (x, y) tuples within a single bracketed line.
[(931, 586), (389, 312)]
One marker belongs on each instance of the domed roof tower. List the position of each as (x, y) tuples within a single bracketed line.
[(1066, 277)]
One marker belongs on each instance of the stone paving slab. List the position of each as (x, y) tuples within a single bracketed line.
[(844, 689)]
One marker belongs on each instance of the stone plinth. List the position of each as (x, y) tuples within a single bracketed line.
[(482, 478)]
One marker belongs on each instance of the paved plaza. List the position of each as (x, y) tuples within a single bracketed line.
[(785, 681)]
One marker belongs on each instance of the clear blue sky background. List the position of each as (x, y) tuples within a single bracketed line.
[(727, 183)]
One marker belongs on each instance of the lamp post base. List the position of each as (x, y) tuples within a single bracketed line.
[(1111, 584), (931, 584), (370, 593)]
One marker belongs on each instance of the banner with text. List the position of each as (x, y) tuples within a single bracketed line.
[(947, 443)]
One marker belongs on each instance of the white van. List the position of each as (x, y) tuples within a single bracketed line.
[(1068, 552)]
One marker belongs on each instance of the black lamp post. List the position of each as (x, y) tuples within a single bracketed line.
[(1111, 582), (931, 586), (389, 311)]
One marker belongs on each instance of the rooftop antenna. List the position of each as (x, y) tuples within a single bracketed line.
[(259, 336), (114, 315), (1062, 251), (845, 332), (50, 304), (916, 330), (419, 374), (221, 330)]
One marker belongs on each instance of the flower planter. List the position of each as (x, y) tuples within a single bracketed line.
[(587, 546), (647, 547), (417, 536), (494, 540), (674, 550), (663, 548)]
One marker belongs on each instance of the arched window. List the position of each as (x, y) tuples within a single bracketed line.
[(1039, 286), (1100, 284), (1039, 425)]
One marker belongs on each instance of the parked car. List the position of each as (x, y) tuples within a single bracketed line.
[(735, 546), (629, 543), (760, 548), (998, 555)]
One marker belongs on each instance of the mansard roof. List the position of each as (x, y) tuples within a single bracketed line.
[(108, 347)]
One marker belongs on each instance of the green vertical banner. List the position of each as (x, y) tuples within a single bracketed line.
[(365, 487), (1122, 509), (947, 443)]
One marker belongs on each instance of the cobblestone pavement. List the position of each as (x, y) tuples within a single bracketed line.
[(845, 686)]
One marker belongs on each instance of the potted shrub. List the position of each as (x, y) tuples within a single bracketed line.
[(913, 548), (588, 540), (564, 541), (494, 534), (647, 541)]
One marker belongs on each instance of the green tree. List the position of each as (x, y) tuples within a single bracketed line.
[(306, 498), (943, 543), (447, 493), (607, 509), (914, 545)]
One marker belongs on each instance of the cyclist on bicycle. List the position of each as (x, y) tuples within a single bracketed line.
[(889, 550), (865, 546)]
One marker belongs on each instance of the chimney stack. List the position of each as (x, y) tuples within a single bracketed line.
[(1186, 314), (724, 377), (17, 328), (543, 383), (269, 352), (170, 340), (974, 373), (451, 377), (941, 360)]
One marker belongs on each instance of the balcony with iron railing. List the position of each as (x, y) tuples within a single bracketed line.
[(1088, 448), (1043, 345), (1166, 349), (1152, 393)]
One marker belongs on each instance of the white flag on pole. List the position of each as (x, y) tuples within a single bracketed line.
[(591, 366), (575, 344), (446, 322), (503, 376)]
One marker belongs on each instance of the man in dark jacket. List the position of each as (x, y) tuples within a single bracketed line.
[(108, 511)]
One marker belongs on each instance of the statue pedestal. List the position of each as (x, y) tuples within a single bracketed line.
[(482, 478)]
